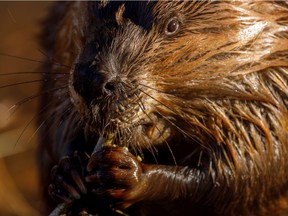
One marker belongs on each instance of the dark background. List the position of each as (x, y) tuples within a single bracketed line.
[(19, 186)]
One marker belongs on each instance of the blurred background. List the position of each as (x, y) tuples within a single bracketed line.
[(19, 27)]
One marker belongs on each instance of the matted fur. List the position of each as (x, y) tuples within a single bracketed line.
[(218, 87)]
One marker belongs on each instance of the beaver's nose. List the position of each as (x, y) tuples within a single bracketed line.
[(88, 79), (92, 84)]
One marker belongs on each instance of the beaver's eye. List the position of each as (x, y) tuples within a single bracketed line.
[(172, 26)]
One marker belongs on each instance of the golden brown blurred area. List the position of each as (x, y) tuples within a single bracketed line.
[(19, 27)]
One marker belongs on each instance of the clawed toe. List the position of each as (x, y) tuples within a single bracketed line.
[(67, 179)]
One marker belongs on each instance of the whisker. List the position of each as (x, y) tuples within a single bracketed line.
[(157, 90), (51, 59), (172, 123), (171, 152), (56, 118), (169, 108), (173, 111), (31, 72), (179, 129), (61, 117), (22, 58), (21, 102), (30, 59), (66, 120), (151, 146), (29, 123), (35, 132), (167, 144), (22, 83)]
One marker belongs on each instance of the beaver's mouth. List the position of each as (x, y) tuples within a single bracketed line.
[(156, 130), (143, 130)]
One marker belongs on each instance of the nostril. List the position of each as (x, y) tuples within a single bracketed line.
[(110, 86)]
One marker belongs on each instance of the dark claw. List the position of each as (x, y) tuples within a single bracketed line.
[(91, 163), (102, 178), (71, 190), (92, 178), (57, 194), (61, 197), (77, 179), (67, 183)]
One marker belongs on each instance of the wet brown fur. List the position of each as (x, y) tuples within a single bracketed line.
[(219, 85)]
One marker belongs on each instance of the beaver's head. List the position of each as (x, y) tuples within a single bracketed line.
[(213, 72)]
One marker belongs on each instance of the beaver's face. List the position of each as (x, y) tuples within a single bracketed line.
[(147, 68), (114, 76)]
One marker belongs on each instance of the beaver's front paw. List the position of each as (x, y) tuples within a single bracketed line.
[(118, 176), (68, 178)]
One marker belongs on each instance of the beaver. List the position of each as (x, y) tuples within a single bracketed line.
[(192, 96)]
